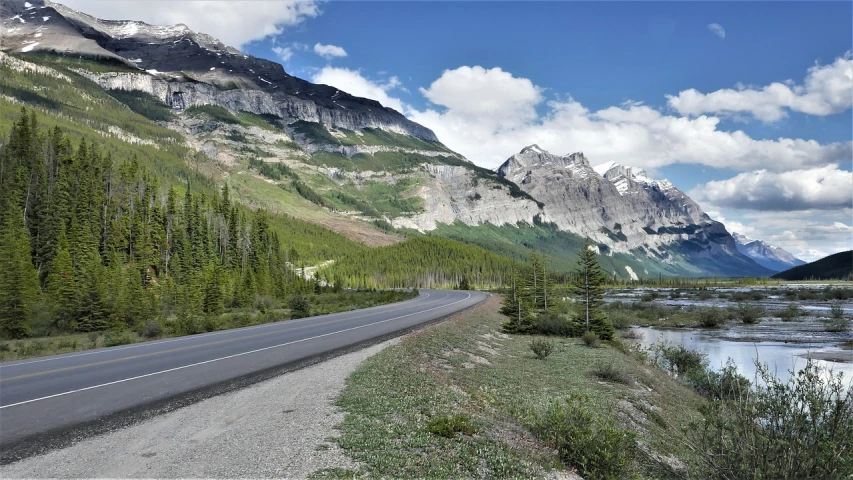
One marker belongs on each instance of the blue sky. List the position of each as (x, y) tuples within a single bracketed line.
[(752, 117)]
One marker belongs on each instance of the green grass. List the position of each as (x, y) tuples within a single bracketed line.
[(465, 367), (319, 134)]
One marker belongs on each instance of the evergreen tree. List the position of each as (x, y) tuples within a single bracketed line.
[(516, 307), (588, 286), (60, 284), (463, 284), (19, 289)]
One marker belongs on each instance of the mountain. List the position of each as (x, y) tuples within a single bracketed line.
[(764, 254), (628, 212), (838, 266), (173, 62), (345, 163)]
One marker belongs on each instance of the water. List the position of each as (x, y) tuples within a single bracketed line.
[(722, 346)]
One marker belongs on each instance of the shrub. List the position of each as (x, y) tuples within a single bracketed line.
[(704, 295), (836, 311), (791, 313), (550, 323), (448, 427), (799, 428), (749, 314), (621, 319), (595, 446), (590, 339), (725, 384), (299, 307), (837, 325), (114, 338), (608, 372), (152, 329), (712, 317), (541, 348), (5, 347), (678, 358)]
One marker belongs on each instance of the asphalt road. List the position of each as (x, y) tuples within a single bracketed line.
[(47, 397)]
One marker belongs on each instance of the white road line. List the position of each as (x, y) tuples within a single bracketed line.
[(227, 357), (204, 335)]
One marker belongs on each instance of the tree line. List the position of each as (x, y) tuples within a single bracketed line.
[(89, 243)]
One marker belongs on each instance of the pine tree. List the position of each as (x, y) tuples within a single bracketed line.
[(19, 288), (589, 288), (60, 283), (516, 307)]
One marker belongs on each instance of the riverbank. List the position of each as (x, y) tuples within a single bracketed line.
[(461, 399)]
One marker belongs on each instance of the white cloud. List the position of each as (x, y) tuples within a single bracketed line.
[(284, 53), (235, 23), (488, 115), (827, 90), (329, 51), (352, 82), (717, 30), (822, 188)]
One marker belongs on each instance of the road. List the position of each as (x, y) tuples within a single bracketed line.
[(47, 402)]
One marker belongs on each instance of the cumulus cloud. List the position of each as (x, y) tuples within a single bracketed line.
[(329, 51), (717, 30), (284, 53), (233, 22), (352, 82), (488, 115), (826, 90), (822, 188)]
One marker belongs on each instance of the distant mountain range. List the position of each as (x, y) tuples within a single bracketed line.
[(362, 169), (766, 255), (838, 266)]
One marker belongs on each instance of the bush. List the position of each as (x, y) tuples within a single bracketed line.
[(593, 445), (448, 427), (551, 323), (704, 295), (749, 314), (299, 307), (152, 329), (836, 325), (621, 319), (836, 311), (801, 428), (541, 348), (791, 313), (608, 372), (115, 338), (711, 317), (725, 384), (590, 339), (678, 358)]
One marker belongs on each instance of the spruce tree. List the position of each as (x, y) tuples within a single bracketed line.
[(60, 283), (588, 286), (516, 307), (19, 288)]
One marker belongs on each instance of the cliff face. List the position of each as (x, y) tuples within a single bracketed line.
[(175, 59), (622, 208)]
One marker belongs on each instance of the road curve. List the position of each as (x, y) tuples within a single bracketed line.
[(43, 396)]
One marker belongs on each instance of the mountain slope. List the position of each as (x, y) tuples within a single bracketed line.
[(766, 255), (838, 266)]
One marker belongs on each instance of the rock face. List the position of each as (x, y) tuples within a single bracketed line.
[(622, 208), (169, 59), (455, 193), (766, 255)]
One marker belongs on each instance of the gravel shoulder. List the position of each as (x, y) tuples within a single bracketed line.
[(282, 427)]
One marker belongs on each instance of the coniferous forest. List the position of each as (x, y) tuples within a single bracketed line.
[(88, 243)]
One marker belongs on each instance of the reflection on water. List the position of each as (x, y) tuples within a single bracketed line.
[(780, 357)]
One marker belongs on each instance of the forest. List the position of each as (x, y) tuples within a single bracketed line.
[(88, 243)]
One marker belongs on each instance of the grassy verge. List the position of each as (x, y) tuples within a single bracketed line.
[(461, 399), (265, 311)]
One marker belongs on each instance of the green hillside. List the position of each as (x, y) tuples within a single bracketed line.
[(838, 266)]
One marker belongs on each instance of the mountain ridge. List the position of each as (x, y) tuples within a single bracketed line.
[(766, 255)]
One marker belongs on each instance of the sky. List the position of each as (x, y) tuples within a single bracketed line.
[(746, 106)]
